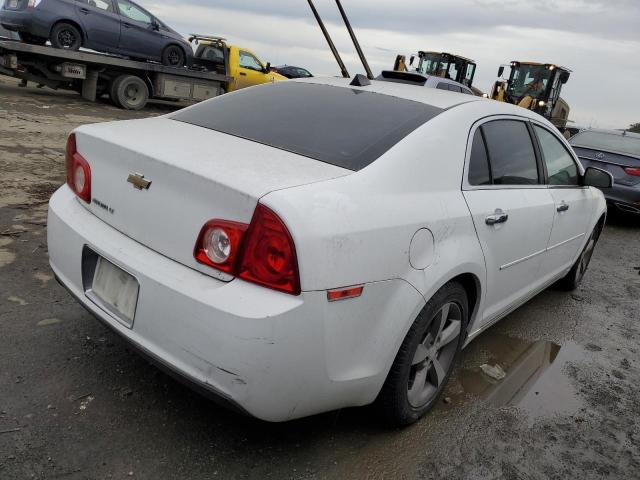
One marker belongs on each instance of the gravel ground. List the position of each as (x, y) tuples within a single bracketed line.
[(76, 403)]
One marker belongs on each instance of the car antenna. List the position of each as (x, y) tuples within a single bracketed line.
[(355, 41), (333, 48)]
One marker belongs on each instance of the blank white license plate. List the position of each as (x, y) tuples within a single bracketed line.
[(116, 289), (13, 3)]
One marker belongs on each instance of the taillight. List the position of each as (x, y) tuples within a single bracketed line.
[(268, 255), (633, 171), (219, 244), (262, 252), (78, 171), (33, 3)]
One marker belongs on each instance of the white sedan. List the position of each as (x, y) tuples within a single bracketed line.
[(305, 246)]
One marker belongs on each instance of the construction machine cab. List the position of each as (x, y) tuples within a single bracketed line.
[(536, 87), (445, 65)]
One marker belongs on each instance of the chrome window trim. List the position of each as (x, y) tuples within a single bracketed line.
[(466, 186)]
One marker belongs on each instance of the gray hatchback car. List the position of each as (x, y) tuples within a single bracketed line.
[(617, 152), (113, 26)]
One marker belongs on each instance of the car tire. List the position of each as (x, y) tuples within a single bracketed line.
[(66, 36), (426, 358), (32, 39), (572, 280), (173, 56), (129, 92)]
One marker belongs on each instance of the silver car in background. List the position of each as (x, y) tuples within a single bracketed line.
[(617, 152)]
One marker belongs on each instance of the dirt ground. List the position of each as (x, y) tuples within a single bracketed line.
[(76, 403)]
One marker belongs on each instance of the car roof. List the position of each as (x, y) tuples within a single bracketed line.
[(431, 96)]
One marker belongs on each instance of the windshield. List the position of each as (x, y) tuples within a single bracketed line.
[(345, 127), (432, 64), (529, 80), (609, 142)]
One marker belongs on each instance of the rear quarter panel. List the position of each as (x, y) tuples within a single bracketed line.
[(358, 229)]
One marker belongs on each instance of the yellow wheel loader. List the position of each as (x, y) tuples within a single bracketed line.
[(536, 87)]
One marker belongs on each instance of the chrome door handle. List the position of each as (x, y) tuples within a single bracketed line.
[(563, 207), (498, 217), (84, 10)]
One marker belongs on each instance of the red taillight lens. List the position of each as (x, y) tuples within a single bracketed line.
[(268, 254), (262, 252), (219, 244), (633, 171), (78, 171)]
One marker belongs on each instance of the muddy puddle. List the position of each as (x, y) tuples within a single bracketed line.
[(532, 376)]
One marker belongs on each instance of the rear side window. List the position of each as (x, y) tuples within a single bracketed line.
[(345, 127), (561, 169), (479, 173), (454, 88), (511, 153), (442, 86)]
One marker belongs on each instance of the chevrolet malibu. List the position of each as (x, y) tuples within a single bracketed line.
[(339, 252)]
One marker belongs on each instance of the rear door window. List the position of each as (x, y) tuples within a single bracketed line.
[(561, 168), (511, 154), (346, 127), (479, 173), (442, 86)]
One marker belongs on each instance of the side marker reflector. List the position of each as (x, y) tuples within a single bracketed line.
[(344, 293)]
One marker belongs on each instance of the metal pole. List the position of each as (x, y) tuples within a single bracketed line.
[(343, 69), (355, 41)]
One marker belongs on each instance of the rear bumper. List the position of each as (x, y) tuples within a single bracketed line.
[(272, 355), (16, 21), (24, 21)]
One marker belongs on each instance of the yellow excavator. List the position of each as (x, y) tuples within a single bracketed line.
[(440, 64), (535, 86)]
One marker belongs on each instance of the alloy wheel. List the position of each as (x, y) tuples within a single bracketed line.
[(66, 38), (434, 355)]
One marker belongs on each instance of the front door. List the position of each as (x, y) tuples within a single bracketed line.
[(572, 203), (512, 211), (138, 37), (250, 70), (101, 23)]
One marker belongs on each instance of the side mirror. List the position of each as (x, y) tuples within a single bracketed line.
[(267, 67), (594, 177), (411, 60), (564, 77), (500, 71), (155, 25)]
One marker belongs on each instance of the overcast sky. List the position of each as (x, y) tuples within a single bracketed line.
[(598, 39)]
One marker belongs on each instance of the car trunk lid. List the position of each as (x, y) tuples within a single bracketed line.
[(195, 175), (613, 163)]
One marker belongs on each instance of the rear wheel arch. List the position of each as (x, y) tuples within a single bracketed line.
[(471, 284), (70, 22)]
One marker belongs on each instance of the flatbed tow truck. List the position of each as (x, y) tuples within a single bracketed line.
[(129, 83)]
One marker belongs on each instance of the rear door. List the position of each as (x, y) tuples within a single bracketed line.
[(512, 210), (138, 37), (101, 23), (573, 203)]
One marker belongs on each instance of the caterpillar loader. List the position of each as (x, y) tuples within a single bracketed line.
[(440, 64), (536, 87)]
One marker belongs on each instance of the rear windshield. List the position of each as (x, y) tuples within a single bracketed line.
[(609, 142), (345, 127)]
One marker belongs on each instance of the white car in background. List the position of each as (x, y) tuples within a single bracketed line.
[(309, 245)]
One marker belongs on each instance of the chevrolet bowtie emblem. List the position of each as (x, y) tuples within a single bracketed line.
[(138, 181)]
